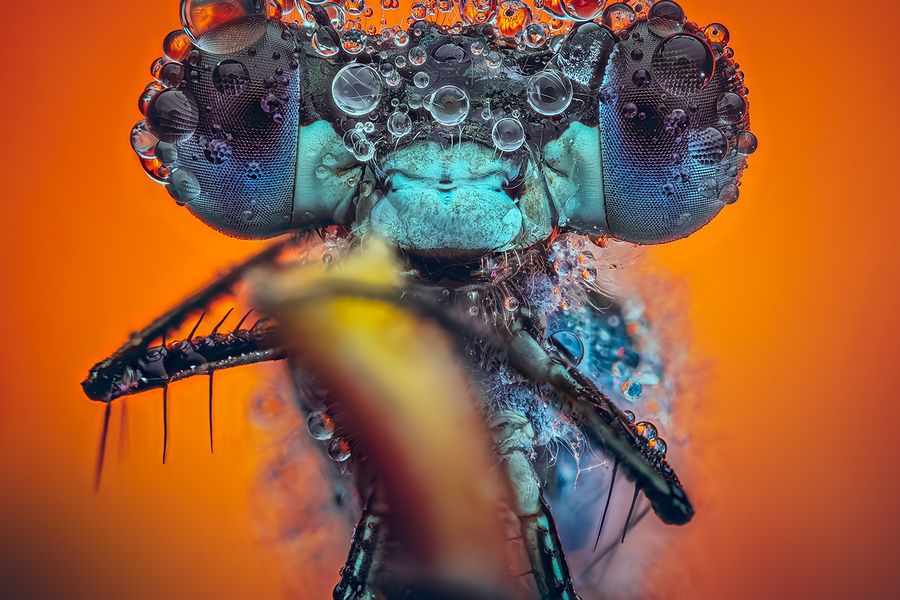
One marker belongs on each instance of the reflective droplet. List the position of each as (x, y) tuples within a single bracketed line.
[(717, 33), (659, 446), (730, 193), (353, 7), (508, 135), (570, 345), (320, 425), (172, 74), (665, 18), (646, 430), (399, 124), (588, 274), (493, 59), (199, 17), (619, 16), (641, 78), (421, 80), (177, 45), (630, 416), (401, 39), (549, 92), (173, 116), (339, 449), (747, 143), (511, 304), (709, 146), (142, 141), (449, 105), (230, 77), (535, 35), (325, 41), (357, 89), (629, 110), (184, 187), (512, 17), (731, 107), (417, 55), (353, 41), (677, 122), (157, 171), (582, 10), (683, 64), (632, 389)]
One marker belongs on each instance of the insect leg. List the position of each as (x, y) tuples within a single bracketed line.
[(515, 436), (366, 555)]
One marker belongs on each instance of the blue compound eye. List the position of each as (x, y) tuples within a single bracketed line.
[(221, 126), (674, 133)]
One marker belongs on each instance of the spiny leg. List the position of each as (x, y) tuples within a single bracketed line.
[(366, 555)]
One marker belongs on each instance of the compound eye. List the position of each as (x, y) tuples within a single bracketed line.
[(221, 123), (674, 129)]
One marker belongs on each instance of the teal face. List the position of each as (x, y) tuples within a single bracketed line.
[(462, 201)]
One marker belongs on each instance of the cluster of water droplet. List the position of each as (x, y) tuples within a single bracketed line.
[(321, 427)]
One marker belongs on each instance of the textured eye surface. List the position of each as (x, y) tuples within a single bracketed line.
[(674, 131), (227, 126)]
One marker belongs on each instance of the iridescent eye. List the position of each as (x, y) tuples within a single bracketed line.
[(671, 133), (226, 136)]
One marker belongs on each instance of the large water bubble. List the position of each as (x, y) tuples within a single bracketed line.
[(683, 64), (173, 115), (508, 135), (449, 105), (357, 89), (198, 17), (549, 92)]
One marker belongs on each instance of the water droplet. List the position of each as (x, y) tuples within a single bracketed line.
[(399, 124), (421, 80), (619, 16), (339, 449), (582, 10), (632, 389), (629, 110), (683, 64), (230, 77), (142, 141), (665, 18), (630, 416), (401, 39), (511, 303), (325, 41), (731, 107), (184, 187), (549, 92), (512, 17), (659, 446), (588, 274), (747, 143), (417, 55), (177, 45), (199, 17), (353, 41), (173, 116), (449, 105), (320, 425), (717, 33), (157, 171), (357, 89), (646, 430), (709, 146), (570, 345), (730, 193), (508, 135), (641, 78)]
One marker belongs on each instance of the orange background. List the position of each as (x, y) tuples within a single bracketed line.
[(793, 292)]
